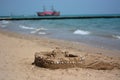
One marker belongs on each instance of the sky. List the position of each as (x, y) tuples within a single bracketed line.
[(66, 7)]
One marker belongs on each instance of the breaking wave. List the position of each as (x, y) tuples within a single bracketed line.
[(25, 27), (81, 32), (2, 25), (42, 29), (116, 36), (5, 22), (39, 31)]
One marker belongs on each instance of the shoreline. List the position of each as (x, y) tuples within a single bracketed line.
[(17, 55), (64, 44)]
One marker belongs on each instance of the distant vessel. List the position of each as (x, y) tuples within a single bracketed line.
[(48, 13)]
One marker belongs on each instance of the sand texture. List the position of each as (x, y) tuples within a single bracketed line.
[(58, 59), (17, 55)]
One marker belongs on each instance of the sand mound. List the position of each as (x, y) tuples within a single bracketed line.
[(62, 59)]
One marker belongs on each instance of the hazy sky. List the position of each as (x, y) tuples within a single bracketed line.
[(30, 7)]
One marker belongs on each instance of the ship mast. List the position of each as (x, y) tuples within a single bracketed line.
[(52, 8), (44, 9)]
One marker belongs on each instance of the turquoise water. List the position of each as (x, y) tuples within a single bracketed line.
[(104, 33)]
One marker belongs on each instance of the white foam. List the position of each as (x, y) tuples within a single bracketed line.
[(5, 22), (3, 26), (81, 32), (41, 29), (37, 30), (116, 36), (25, 27), (41, 33), (33, 32)]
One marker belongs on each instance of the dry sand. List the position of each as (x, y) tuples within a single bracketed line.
[(17, 55)]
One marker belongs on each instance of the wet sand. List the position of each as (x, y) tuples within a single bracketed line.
[(17, 55)]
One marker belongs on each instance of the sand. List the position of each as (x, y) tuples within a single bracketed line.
[(17, 55)]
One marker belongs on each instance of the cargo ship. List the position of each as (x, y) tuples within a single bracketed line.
[(53, 12)]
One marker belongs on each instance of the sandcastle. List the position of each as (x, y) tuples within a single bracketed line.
[(58, 59)]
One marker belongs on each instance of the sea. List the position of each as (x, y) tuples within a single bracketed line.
[(97, 32)]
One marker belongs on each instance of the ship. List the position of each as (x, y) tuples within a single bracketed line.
[(45, 12)]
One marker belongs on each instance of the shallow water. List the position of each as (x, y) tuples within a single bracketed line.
[(104, 33)]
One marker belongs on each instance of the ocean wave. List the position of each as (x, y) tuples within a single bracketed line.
[(41, 33), (25, 27), (38, 30), (5, 22), (116, 36), (81, 32), (2, 25)]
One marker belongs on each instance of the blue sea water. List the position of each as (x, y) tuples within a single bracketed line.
[(99, 32)]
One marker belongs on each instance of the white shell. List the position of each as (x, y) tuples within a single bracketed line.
[(57, 62)]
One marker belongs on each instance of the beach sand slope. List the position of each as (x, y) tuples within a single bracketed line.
[(17, 55)]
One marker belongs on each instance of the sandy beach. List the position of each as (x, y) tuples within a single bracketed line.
[(17, 55)]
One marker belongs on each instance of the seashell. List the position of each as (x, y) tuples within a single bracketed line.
[(57, 62), (83, 58), (41, 57)]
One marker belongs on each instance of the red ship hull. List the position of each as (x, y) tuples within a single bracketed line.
[(48, 13)]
